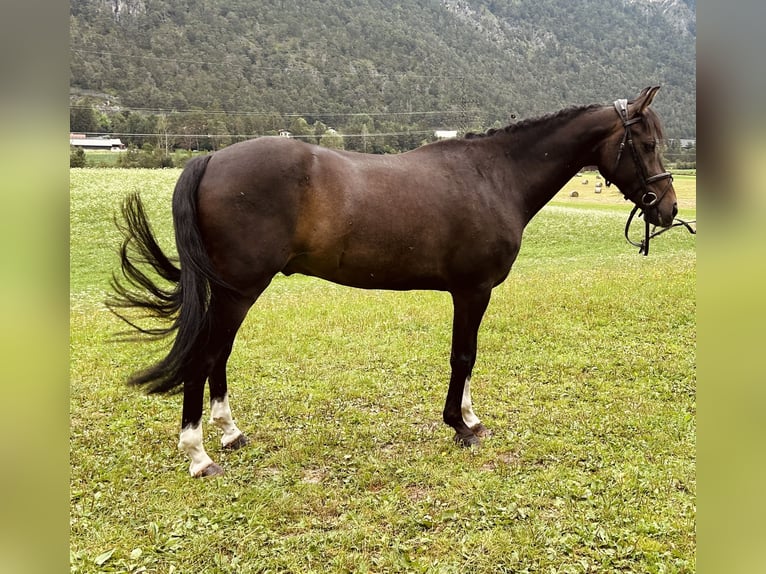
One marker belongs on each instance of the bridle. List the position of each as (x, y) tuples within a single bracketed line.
[(648, 198)]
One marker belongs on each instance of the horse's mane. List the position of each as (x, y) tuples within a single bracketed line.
[(561, 116)]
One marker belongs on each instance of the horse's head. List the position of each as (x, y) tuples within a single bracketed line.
[(630, 158)]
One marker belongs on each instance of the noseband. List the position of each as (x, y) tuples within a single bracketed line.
[(648, 198)]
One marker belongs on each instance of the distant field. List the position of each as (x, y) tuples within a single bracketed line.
[(685, 185), (101, 158), (586, 374)]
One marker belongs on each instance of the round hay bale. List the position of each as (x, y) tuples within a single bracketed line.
[(574, 194)]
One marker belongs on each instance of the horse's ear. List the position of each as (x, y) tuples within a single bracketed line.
[(644, 99)]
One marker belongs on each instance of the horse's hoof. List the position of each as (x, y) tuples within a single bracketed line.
[(467, 441), (211, 470), (481, 431), (237, 443)]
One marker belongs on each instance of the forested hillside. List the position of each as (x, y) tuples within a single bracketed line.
[(236, 68)]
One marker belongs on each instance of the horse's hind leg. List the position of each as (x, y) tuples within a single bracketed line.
[(231, 312), (191, 440), (220, 411), (227, 313)]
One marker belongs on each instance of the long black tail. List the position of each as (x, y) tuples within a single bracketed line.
[(183, 306)]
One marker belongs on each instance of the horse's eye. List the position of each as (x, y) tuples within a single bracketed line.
[(650, 146)]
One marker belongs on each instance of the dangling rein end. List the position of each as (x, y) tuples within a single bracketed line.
[(643, 245)]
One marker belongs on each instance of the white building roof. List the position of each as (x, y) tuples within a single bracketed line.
[(96, 142)]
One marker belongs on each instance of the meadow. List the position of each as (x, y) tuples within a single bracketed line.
[(586, 375)]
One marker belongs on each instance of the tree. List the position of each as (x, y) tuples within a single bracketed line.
[(163, 140), (82, 118), (76, 156), (331, 139), (300, 128)]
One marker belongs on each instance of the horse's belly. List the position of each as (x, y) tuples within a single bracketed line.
[(383, 270)]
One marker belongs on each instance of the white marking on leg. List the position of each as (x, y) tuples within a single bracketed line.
[(220, 416), (466, 408), (190, 442)]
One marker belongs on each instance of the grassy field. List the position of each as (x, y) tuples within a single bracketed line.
[(586, 374), (685, 185)]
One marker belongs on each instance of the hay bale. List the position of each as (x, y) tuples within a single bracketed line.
[(574, 194)]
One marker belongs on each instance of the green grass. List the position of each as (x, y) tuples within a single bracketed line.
[(586, 375), (101, 158)]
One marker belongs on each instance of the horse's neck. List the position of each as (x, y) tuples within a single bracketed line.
[(545, 156)]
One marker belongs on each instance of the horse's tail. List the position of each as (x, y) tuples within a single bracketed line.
[(185, 303)]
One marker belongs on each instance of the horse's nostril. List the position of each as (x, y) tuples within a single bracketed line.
[(675, 209)]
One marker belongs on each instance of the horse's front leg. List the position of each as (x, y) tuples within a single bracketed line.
[(469, 309), (469, 417)]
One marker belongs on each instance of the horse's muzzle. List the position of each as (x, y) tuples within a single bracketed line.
[(661, 217)]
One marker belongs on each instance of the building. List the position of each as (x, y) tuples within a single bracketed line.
[(85, 142)]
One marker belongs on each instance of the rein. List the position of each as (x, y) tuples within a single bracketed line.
[(648, 198), (643, 245)]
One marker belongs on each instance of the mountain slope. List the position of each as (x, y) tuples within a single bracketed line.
[(476, 62)]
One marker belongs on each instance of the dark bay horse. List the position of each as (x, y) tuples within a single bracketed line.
[(447, 216)]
